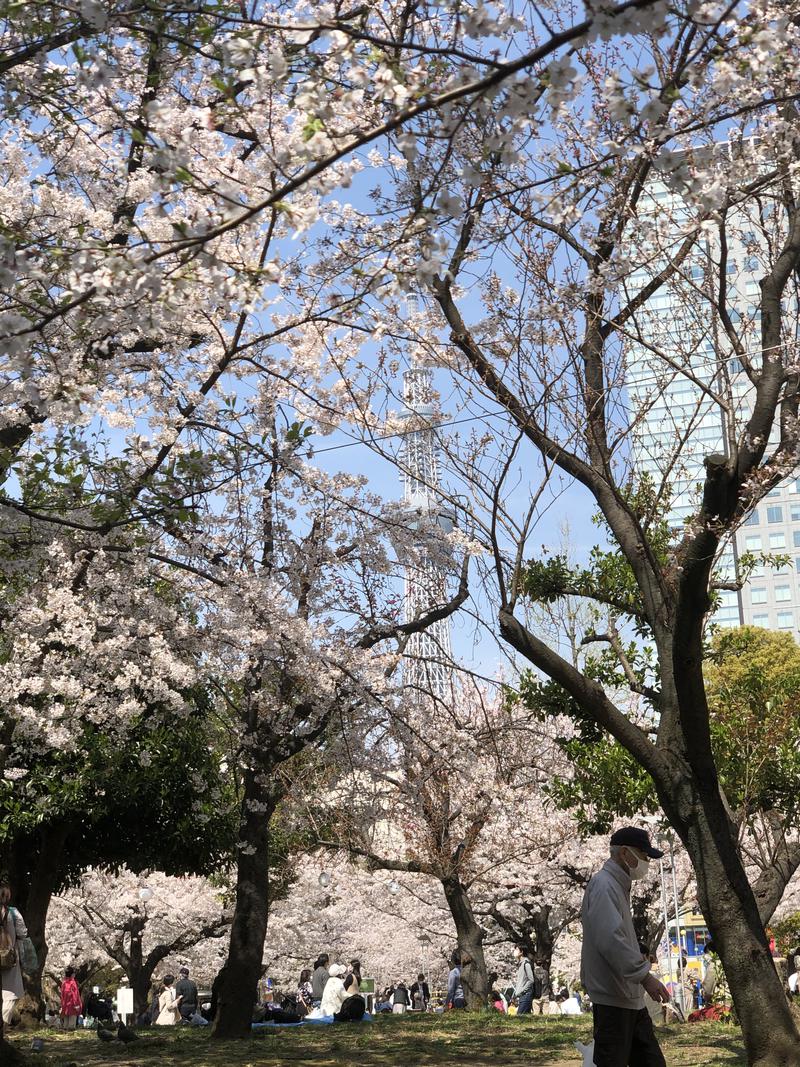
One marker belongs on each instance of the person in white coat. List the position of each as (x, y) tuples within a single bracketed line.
[(12, 929), (169, 1004), (334, 992)]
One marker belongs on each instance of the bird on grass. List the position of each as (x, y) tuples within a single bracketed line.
[(124, 1033), (105, 1035)]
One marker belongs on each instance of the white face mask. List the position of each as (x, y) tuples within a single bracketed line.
[(640, 870)]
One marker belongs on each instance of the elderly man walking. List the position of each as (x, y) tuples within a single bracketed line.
[(613, 971)]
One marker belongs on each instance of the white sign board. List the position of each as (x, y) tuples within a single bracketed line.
[(124, 1000)]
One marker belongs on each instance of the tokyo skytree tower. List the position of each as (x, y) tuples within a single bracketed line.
[(428, 655)]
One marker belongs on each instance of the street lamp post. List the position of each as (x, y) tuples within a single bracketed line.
[(424, 941), (665, 910), (668, 838)]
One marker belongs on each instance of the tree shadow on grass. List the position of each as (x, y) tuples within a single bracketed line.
[(428, 1041)]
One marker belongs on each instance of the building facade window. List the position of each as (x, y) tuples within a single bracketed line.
[(783, 593), (758, 594), (752, 518), (775, 513), (753, 542), (761, 620), (777, 540), (785, 620)]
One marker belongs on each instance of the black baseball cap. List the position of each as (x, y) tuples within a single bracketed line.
[(636, 838)]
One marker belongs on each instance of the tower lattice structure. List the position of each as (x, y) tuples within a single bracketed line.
[(428, 664)]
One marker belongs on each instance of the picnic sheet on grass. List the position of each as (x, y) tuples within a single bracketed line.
[(324, 1021)]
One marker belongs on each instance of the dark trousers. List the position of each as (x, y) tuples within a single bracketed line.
[(624, 1038), (525, 1001)]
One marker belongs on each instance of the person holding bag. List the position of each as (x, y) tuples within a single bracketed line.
[(12, 931)]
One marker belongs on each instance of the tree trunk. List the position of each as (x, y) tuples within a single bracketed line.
[(693, 800), (470, 944), (138, 972), (729, 907), (34, 903), (545, 944), (238, 988), (141, 987)]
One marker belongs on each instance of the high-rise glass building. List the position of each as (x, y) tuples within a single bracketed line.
[(685, 389)]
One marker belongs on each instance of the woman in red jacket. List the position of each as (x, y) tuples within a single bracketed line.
[(71, 1005)]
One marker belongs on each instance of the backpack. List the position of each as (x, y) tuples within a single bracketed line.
[(352, 1010), (293, 1005)]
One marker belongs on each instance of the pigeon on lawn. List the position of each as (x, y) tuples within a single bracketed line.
[(587, 1051), (105, 1035), (124, 1033)]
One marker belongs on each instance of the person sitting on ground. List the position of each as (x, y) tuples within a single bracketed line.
[(187, 991), (334, 993), (97, 1007), (496, 998), (169, 1003), (401, 998), (571, 1005), (353, 1006), (319, 978), (354, 967), (384, 1001), (305, 994)]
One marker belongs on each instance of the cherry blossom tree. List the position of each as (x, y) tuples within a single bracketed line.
[(140, 923), (535, 301), (190, 295), (395, 925), (452, 789)]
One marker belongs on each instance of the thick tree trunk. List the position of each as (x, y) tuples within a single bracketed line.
[(729, 906), (35, 866), (141, 987), (545, 945), (694, 802), (474, 977), (34, 903), (238, 988), (139, 971)]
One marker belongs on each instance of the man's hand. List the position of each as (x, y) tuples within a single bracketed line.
[(657, 990)]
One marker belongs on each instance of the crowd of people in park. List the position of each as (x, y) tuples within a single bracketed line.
[(620, 980)]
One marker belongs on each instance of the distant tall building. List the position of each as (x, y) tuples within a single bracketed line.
[(428, 656), (675, 411)]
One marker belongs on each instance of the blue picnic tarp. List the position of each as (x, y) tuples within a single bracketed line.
[(324, 1021)]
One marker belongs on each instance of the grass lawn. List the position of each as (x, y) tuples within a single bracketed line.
[(471, 1040)]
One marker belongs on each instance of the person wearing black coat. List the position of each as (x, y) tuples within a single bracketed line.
[(187, 990)]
